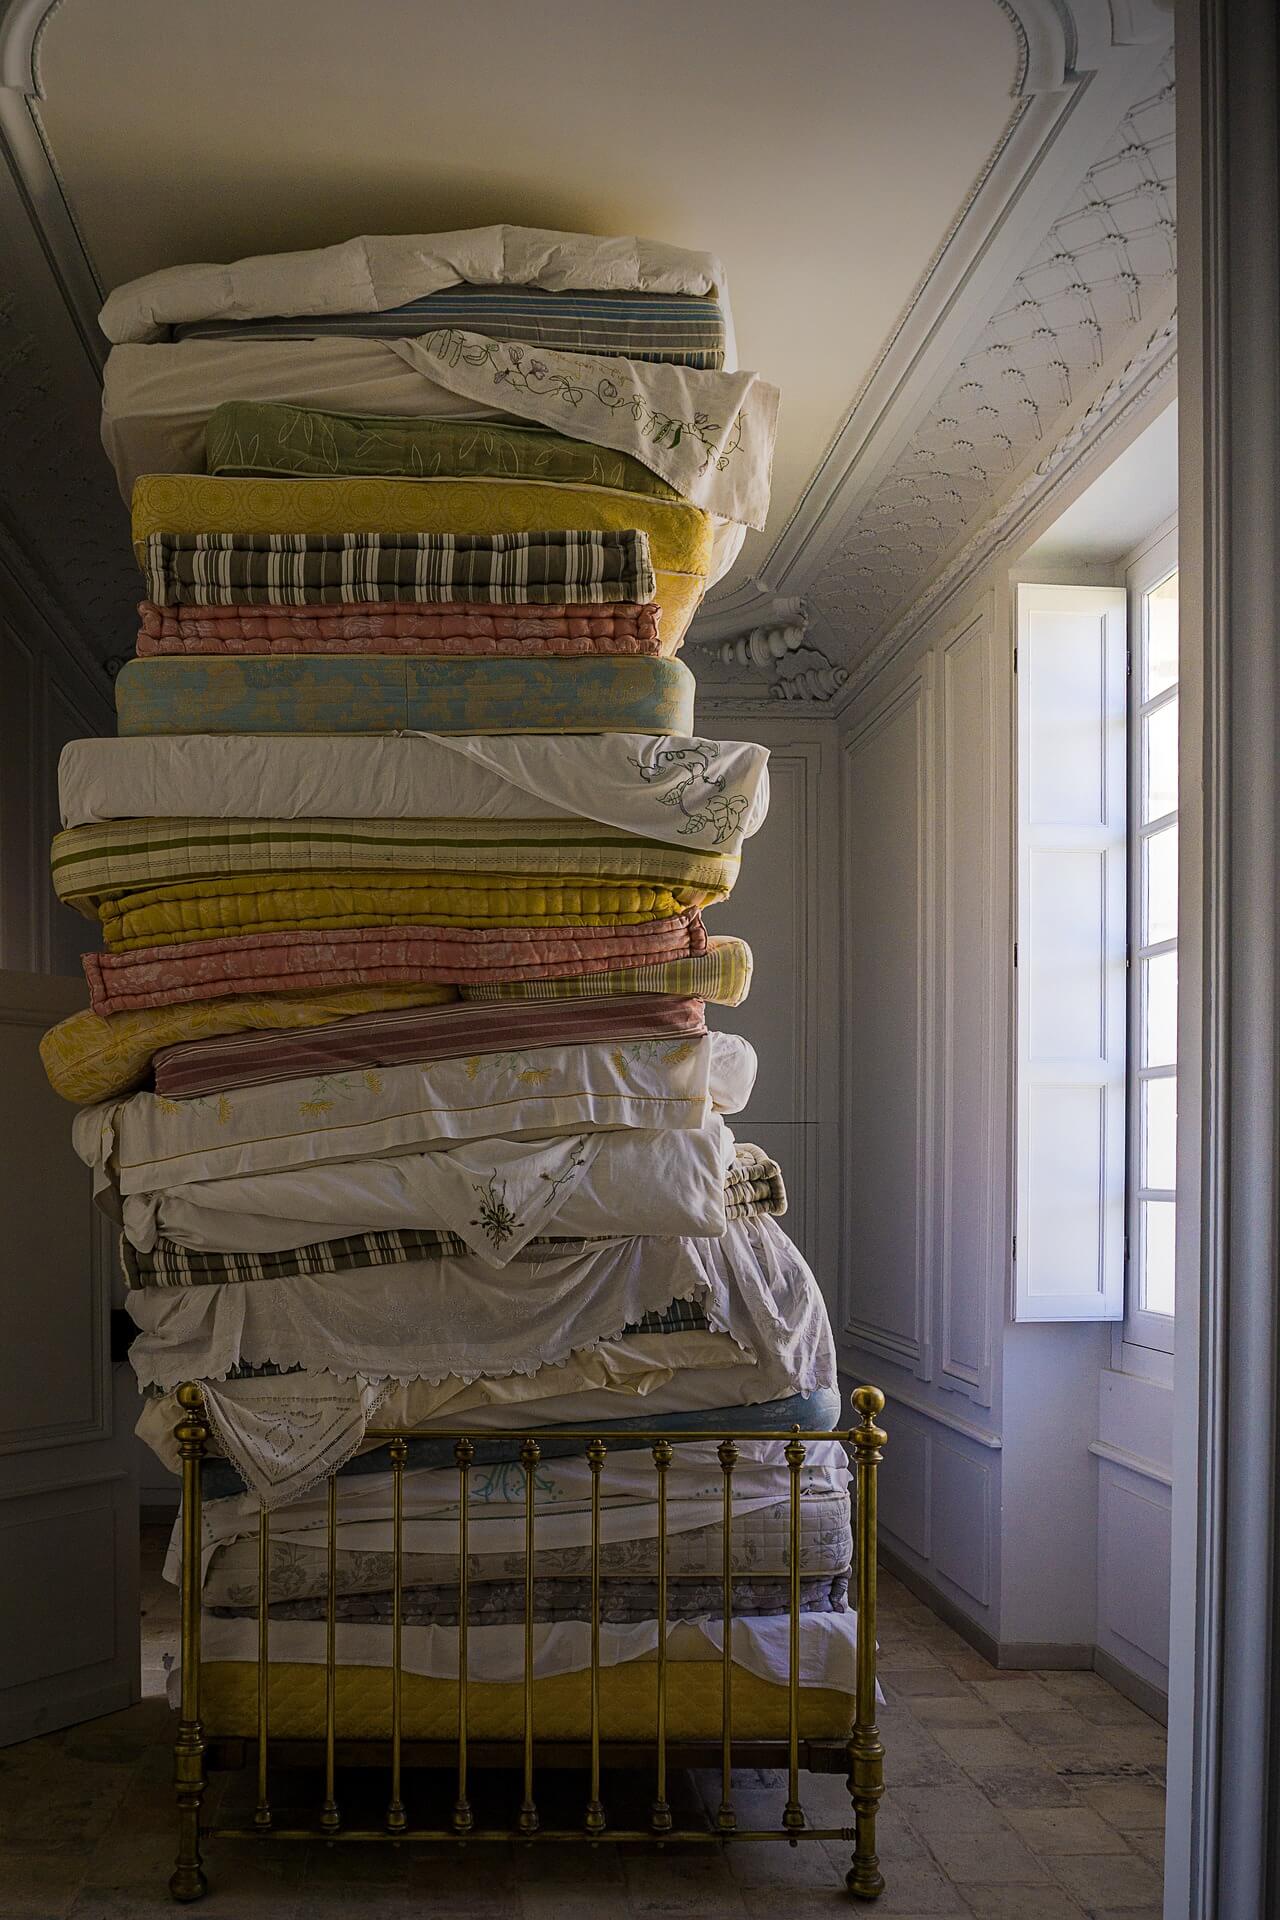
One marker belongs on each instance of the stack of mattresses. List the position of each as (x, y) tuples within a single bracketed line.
[(396, 1073)]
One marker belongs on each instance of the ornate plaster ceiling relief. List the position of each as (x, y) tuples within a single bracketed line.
[(1104, 271)]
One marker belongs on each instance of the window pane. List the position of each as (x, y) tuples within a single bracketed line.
[(1162, 638), (1160, 761), (1158, 1219), (1160, 886), (1160, 1010), (1159, 1117)]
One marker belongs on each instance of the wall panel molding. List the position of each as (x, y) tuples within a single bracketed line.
[(904, 716), (970, 1095)]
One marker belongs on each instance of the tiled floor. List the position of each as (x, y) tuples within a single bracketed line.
[(1015, 1796)]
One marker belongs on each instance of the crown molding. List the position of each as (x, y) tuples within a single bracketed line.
[(1122, 405), (35, 171), (1079, 69)]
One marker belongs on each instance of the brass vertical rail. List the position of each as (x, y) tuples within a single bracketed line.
[(793, 1812), (330, 1817), (187, 1881), (660, 1812), (726, 1818), (464, 1453), (530, 1455), (262, 1812), (866, 1750), (396, 1818), (596, 1452)]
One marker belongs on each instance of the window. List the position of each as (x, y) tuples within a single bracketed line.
[(1153, 964)]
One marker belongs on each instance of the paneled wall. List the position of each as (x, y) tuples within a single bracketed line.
[(785, 906), (925, 770)]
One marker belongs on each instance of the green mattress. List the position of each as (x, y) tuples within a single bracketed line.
[(379, 694)]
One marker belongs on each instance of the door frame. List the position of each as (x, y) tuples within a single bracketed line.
[(1223, 1853)]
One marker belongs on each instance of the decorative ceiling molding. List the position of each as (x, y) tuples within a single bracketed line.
[(779, 650), (1124, 404), (35, 169), (1062, 117), (1104, 267)]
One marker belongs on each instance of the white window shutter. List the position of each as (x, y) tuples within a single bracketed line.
[(1072, 952)]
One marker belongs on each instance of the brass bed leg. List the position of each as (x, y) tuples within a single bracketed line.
[(187, 1881), (866, 1750)]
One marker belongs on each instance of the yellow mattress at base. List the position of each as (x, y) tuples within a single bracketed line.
[(216, 907), (680, 536), (561, 1704)]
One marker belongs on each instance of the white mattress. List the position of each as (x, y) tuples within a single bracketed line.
[(688, 791)]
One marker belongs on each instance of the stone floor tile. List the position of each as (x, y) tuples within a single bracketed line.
[(972, 1747), (1145, 1744), (668, 1886), (1018, 1903), (1015, 1692), (958, 1710), (1053, 1830), (1147, 1843), (968, 1837), (932, 1681), (1108, 1882), (967, 1661), (1055, 1728), (1125, 1803), (1026, 1785)]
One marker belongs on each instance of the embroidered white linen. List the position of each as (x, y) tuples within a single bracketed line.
[(145, 1143), (691, 792), (497, 1195)]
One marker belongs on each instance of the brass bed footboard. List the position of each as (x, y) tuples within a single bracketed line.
[(858, 1751)]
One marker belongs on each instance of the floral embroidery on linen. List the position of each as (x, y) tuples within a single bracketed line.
[(495, 1217), (698, 793), (511, 368)]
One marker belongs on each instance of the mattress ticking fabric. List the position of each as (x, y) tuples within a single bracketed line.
[(396, 1035), (678, 329), (330, 569)]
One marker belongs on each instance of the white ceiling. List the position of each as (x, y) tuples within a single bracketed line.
[(823, 149), (1136, 494)]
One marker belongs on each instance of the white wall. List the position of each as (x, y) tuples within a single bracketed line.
[(1026, 1480)]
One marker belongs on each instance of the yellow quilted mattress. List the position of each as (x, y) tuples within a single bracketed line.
[(562, 1704), (680, 536), (89, 1058), (271, 902)]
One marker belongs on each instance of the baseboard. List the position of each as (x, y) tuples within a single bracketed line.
[(947, 1611), (1055, 1656), (1143, 1693)]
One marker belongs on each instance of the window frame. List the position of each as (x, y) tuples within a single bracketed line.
[(1146, 1338)]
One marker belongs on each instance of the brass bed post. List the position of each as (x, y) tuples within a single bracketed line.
[(660, 1813), (530, 1454), (866, 1750), (595, 1806), (262, 1812), (793, 1812), (726, 1818), (464, 1453), (397, 1819), (330, 1816), (187, 1881)]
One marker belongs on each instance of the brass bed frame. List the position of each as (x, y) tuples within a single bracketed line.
[(861, 1755)]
